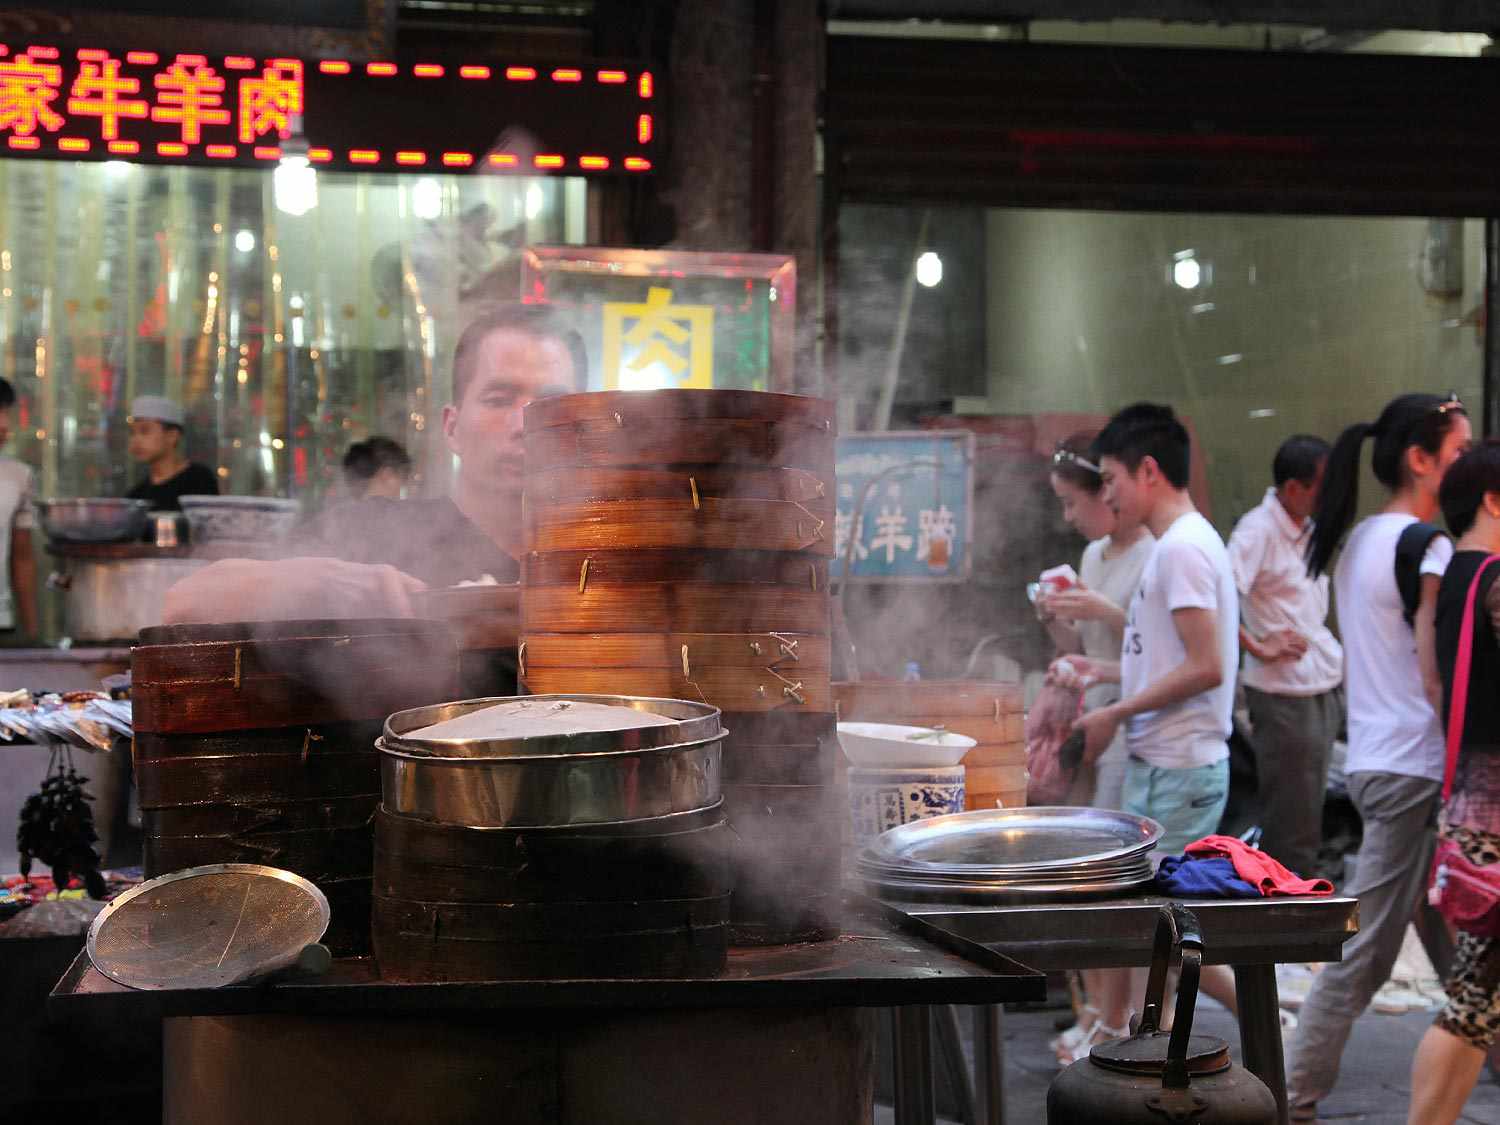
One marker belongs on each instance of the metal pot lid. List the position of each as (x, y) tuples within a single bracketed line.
[(655, 723), (206, 927), (1147, 1054), (999, 841)]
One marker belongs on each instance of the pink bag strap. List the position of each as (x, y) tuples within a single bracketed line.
[(1458, 704)]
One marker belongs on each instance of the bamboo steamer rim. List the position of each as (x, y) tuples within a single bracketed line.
[(870, 700), (571, 484), (710, 568), (684, 522), (678, 403), (278, 632)]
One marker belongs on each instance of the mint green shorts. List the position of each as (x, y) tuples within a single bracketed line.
[(1187, 803)]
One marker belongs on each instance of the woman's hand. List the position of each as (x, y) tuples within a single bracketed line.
[(1281, 644)]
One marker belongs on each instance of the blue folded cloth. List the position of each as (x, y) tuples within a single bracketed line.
[(1212, 877)]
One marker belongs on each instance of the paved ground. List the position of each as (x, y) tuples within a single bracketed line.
[(1374, 1083)]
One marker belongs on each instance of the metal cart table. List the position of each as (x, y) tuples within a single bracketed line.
[(1252, 936), (785, 1033)]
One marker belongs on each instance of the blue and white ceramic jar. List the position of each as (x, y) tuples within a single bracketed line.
[(881, 799)]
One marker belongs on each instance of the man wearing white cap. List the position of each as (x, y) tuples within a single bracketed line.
[(156, 439)]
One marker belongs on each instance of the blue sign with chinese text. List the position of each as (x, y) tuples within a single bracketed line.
[(911, 494)]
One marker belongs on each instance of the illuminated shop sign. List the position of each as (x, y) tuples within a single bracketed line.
[(92, 104)]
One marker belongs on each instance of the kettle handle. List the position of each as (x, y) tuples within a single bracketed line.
[(1175, 926)]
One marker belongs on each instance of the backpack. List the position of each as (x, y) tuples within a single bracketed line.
[(1413, 544)]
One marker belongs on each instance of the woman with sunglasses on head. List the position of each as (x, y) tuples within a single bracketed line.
[(1395, 760), (1449, 1058), (1089, 620)]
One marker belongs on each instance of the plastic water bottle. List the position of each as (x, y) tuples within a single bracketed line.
[(913, 672)]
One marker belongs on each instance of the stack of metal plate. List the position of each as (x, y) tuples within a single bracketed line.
[(1012, 855)]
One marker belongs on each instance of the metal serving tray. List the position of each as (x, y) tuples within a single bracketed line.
[(991, 843)]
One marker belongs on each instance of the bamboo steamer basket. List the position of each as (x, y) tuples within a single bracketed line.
[(991, 713), (255, 743), (664, 591), (738, 671), (677, 543), (677, 427)]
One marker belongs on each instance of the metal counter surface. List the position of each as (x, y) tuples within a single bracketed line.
[(1117, 932), (1251, 935), (870, 964)]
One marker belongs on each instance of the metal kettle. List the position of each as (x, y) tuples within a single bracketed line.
[(1159, 1077)]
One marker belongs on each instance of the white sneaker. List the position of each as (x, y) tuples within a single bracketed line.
[(1288, 1031), (1292, 989), (1394, 999)]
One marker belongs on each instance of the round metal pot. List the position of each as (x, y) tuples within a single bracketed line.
[(114, 599), (555, 780)]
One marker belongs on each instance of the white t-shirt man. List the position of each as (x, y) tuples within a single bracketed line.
[(1392, 727), (1189, 569), (15, 512), (1267, 552)]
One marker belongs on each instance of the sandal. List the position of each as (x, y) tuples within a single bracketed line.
[(1067, 1040), (1098, 1032)]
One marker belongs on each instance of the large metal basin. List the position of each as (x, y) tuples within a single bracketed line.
[(93, 519), (114, 599), (554, 781)]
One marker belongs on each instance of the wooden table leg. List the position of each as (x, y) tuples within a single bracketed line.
[(1260, 1030), (912, 1036)]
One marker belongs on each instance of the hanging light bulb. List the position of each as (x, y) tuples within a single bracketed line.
[(295, 181), (427, 198)]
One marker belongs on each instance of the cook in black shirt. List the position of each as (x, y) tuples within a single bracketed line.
[(156, 439), (374, 554)]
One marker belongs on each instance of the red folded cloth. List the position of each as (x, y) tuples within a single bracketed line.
[(1257, 868)]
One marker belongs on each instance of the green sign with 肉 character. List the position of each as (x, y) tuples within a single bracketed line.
[(652, 319)]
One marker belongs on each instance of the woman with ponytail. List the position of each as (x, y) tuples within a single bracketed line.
[(1395, 762)]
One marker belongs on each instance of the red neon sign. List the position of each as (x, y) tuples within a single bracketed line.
[(91, 103)]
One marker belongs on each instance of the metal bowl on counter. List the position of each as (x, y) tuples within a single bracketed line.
[(93, 519), (549, 772), (240, 518)]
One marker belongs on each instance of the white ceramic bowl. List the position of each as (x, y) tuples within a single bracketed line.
[(256, 519), (886, 746)]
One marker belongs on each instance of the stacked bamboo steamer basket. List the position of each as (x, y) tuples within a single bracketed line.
[(677, 544), (990, 713), (255, 743)]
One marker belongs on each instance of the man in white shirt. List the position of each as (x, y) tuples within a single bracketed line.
[(18, 581), (1293, 662), (1181, 640), (1181, 644)]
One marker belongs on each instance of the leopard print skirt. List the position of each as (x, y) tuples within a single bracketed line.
[(1472, 1012)]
